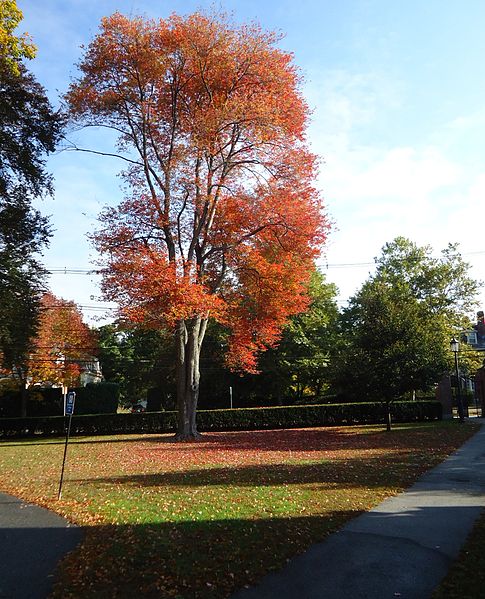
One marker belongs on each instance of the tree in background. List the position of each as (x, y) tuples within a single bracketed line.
[(139, 360), (63, 346), (142, 361), (306, 345), (391, 345), (397, 329), (443, 283), (222, 220), (29, 129), (297, 367)]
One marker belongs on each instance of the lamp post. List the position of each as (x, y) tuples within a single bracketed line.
[(455, 348)]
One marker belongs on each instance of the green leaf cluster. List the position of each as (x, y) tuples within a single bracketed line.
[(397, 328), (138, 360), (301, 360), (13, 48)]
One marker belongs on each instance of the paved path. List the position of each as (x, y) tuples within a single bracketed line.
[(400, 549), (32, 541)]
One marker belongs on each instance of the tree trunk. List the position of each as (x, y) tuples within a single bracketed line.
[(189, 337)]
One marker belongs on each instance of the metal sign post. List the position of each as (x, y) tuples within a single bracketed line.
[(68, 411), (64, 396)]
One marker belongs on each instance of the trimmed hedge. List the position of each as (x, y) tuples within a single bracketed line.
[(40, 402), (316, 415), (225, 420), (94, 398), (97, 398)]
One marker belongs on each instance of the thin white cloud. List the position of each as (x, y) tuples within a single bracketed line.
[(376, 190)]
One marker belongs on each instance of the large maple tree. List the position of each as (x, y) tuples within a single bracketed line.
[(221, 218)]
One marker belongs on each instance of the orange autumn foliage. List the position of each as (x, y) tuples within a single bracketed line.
[(222, 219), (62, 345)]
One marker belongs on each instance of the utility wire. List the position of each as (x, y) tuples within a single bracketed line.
[(327, 265), (83, 306)]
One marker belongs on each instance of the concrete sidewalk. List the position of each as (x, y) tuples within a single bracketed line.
[(402, 548), (32, 541)]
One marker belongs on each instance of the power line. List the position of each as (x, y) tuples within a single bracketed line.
[(83, 306), (73, 271), (85, 271), (349, 265), (327, 265)]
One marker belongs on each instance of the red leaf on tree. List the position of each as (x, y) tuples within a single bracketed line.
[(63, 344), (222, 220)]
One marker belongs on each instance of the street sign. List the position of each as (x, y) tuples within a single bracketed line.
[(70, 399), (68, 411)]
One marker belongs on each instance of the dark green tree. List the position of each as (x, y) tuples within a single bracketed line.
[(23, 232), (396, 330), (294, 371), (298, 365), (141, 361), (29, 130)]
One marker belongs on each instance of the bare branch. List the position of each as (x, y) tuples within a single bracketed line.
[(75, 148)]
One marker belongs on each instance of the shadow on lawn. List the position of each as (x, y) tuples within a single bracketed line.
[(354, 472), (313, 439), (212, 559), (206, 559)]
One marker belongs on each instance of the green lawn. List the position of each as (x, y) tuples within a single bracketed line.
[(165, 519)]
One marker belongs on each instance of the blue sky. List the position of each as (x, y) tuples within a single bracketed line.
[(398, 97)]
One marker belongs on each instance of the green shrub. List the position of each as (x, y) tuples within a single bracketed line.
[(154, 399), (97, 398), (40, 402), (224, 420), (45, 401), (316, 415), (10, 402)]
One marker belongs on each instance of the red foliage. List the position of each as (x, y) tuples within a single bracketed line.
[(62, 345), (223, 220)]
